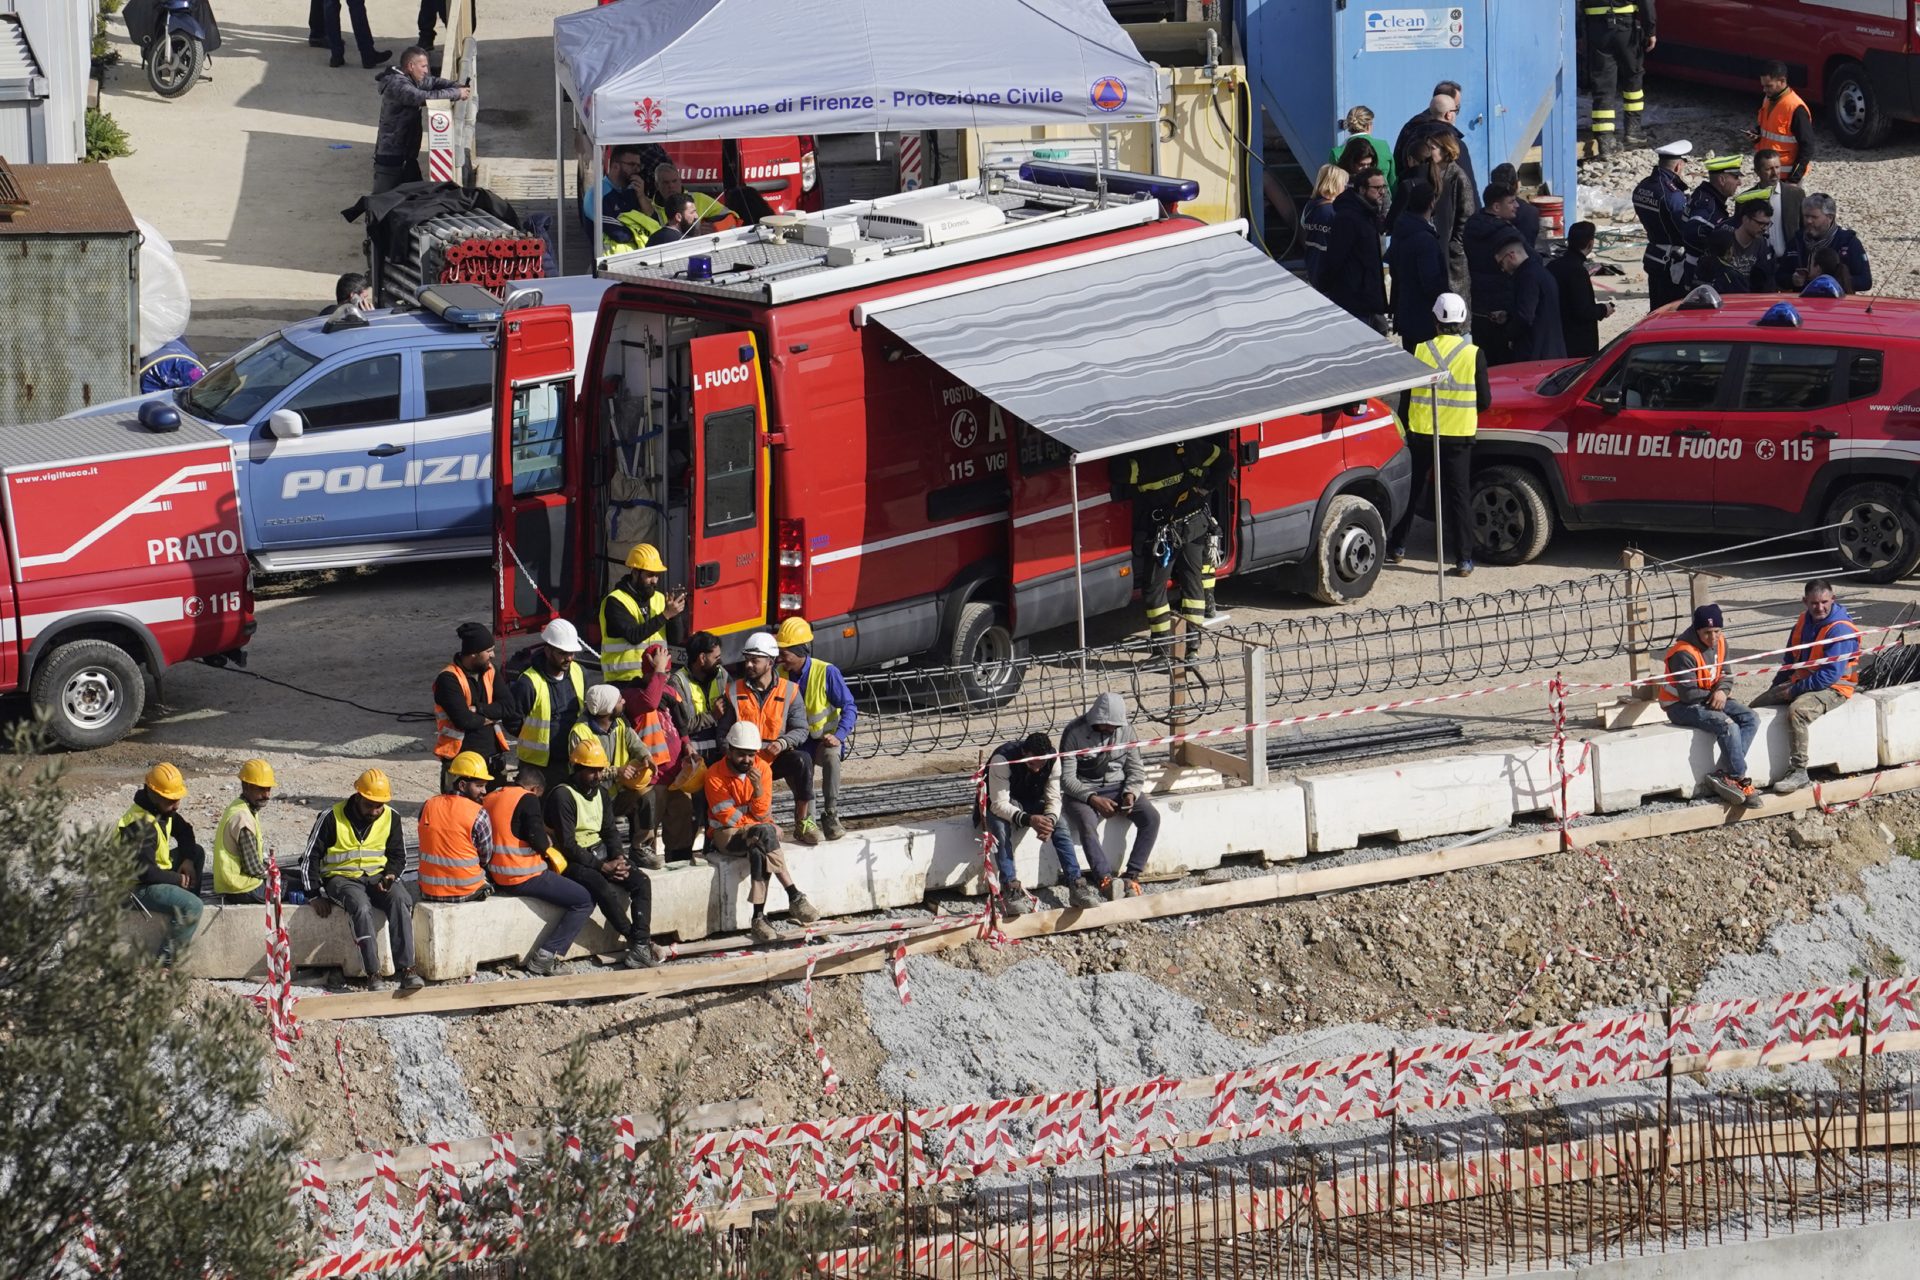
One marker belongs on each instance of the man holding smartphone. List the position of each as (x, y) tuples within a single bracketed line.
[(1103, 776), (633, 616)]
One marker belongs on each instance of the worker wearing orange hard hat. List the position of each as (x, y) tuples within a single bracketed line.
[(166, 857), (239, 850), (355, 857), (830, 719)]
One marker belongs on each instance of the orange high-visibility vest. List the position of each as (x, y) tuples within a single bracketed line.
[(769, 716), (448, 739), (738, 799), (449, 862), (1705, 674), (511, 860), (1806, 661), (1776, 127), (653, 736)]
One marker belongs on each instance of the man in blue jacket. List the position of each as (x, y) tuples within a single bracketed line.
[(1820, 229), (1819, 674), (830, 719), (1350, 270), (1418, 264)]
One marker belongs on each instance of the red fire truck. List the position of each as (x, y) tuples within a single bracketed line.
[(866, 416), (781, 169), (122, 557)]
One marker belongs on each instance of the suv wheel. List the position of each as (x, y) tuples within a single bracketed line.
[(991, 663), (1854, 105), (1348, 551), (1512, 515), (1875, 538), (89, 693)]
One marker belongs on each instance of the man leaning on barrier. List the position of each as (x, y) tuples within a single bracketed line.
[(1694, 693), (1819, 674)]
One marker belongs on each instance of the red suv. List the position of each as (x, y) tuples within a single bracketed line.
[(1745, 416)]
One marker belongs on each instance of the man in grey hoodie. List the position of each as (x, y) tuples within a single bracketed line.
[(1104, 783)]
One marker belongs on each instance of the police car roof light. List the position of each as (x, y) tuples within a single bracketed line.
[(1781, 315), (1823, 286), (467, 305), (1703, 298), (1082, 177), (345, 316), (158, 415)]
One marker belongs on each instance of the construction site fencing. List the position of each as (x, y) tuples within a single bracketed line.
[(1359, 653)]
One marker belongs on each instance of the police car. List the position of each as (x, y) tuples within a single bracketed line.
[(367, 439), (1748, 416)]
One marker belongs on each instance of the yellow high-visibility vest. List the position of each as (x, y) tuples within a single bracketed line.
[(1454, 396)]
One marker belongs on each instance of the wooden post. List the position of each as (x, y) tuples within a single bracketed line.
[(1256, 704), (1638, 615)]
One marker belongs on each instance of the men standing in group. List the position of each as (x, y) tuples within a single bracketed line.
[(739, 790), (577, 821), (522, 864), (1695, 693), (632, 616), (767, 700), (1351, 270), (1784, 195), (456, 836), (1580, 315), (699, 703), (1533, 321), (1101, 779), (1172, 487), (1441, 116), (1741, 260), (1418, 264), (546, 700), (356, 855), (1784, 124), (239, 850), (466, 715), (166, 857), (1448, 411), (1660, 201), (404, 89), (1023, 792), (1818, 676), (1618, 36), (830, 712), (1709, 209), (1492, 294)]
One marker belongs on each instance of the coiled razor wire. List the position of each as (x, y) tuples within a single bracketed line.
[(1310, 659)]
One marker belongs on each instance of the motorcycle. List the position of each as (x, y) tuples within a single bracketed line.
[(175, 37)]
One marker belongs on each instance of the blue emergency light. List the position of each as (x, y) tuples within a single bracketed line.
[(1082, 177), (700, 267), (1823, 286), (1780, 315)]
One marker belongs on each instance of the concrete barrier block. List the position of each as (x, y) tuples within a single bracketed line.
[(1408, 802), (1653, 760), (1847, 738), (1899, 716), (451, 941), (1534, 782), (870, 870)]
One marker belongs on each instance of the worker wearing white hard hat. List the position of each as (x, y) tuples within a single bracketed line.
[(764, 698), (545, 701), (1442, 420), (739, 792)]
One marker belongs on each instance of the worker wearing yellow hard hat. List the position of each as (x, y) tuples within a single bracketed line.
[(632, 616), (355, 856), (239, 849), (166, 857), (629, 780), (456, 836), (831, 716), (578, 823)]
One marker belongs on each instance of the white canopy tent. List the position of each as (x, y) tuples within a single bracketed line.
[(682, 70)]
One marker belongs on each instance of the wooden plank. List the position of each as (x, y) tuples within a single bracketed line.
[(1274, 886), (1200, 756), (739, 1113)]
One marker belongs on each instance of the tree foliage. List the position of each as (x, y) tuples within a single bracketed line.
[(125, 1101)]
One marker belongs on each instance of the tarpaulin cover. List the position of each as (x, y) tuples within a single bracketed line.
[(1174, 342), (671, 70)]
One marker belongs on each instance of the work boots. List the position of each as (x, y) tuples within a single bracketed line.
[(800, 910), (806, 831), (1795, 781), (540, 964), (645, 852), (1083, 895), (1013, 902), (831, 827), (641, 955), (764, 930)]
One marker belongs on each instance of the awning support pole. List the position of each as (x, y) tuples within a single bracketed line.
[(1439, 533), (596, 237), (559, 177), (1079, 581)]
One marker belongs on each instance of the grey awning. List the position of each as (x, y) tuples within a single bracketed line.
[(1198, 333)]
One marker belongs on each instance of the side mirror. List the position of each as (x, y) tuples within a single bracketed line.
[(1611, 401), (286, 424)]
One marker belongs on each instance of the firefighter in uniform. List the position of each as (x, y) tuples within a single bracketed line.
[(1617, 34), (1451, 411), (1708, 211), (1172, 488), (632, 616), (1661, 203)]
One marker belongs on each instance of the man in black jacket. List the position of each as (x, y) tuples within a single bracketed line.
[(579, 820), (1351, 273), (404, 89), (1419, 267), (1489, 228), (466, 710), (1533, 325), (355, 858), (1439, 117), (1580, 315)]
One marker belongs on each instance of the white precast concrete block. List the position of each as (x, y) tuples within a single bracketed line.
[(1899, 714), (451, 940), (1846, 738), (1534, 780), (1653, 760), (870, 870), (1409, 802), (231, 941)]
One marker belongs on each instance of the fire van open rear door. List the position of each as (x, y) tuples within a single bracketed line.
[(727, 531), (537, 473)]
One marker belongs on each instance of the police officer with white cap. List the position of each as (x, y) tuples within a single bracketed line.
[(545, 701), (1661, 203)]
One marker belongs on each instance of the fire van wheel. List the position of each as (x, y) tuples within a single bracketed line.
[(1348, 552), (990, 662), (1875, 538), (1859, 119), (1512, 516), (89, 693)]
